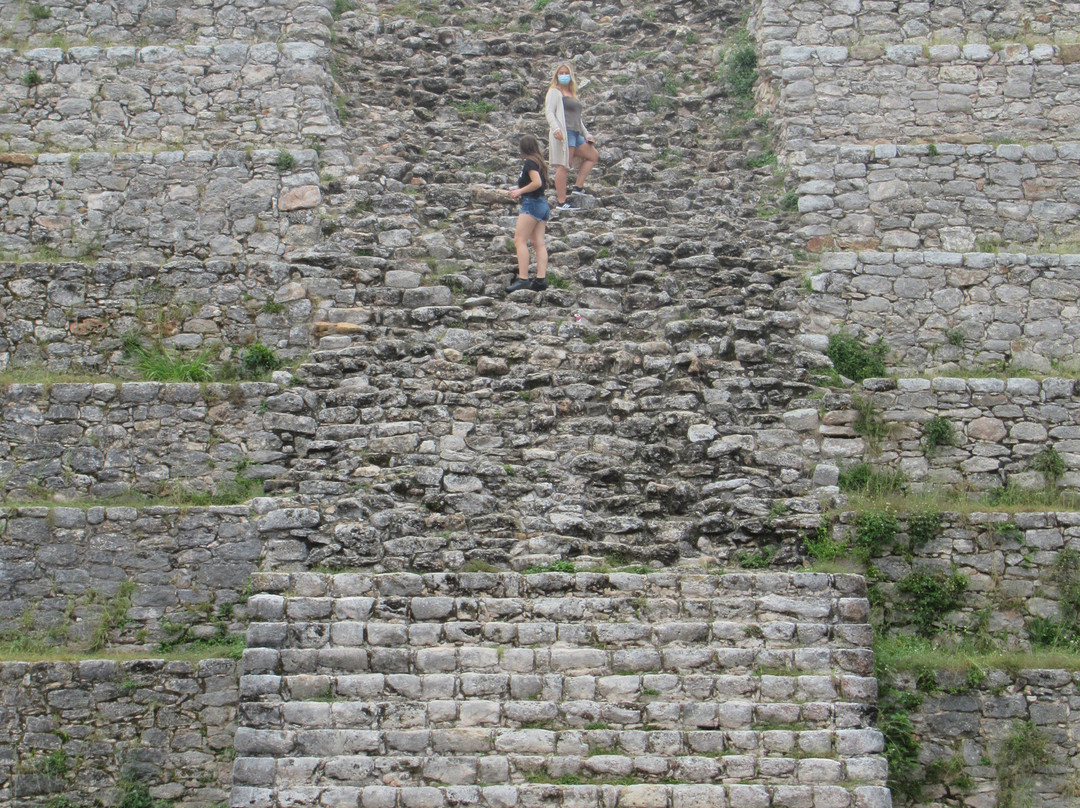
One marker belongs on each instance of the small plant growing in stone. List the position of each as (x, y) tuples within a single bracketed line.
[(923, 527), (39, 12), (1051, 464), (1023, 749), (789, 202), (855, 359), (821, 546), (869, 424), (740, 68), (557, 566), (937, 432), (874, 530), (954, 337), (32, 78), (756, 561), (556, 282), (285, 161), (258, 360), (862, 478), (932, 150), (933, 595)]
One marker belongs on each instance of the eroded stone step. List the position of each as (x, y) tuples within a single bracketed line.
[(471, 741), (788, 685), (577, 661), (434, 769), (733, 795)]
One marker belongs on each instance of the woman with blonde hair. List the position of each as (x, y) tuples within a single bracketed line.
[(569, 141)]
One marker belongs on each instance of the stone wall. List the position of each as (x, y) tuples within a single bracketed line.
[(120, 576), (73, 317), (75, 729), (153, 206), (946, 311), (63, 569), (847, 22), (968, 720), (1009, 560), (101, 440), (937, 93), (1000, 425), (220, 96), (946, 196), (117, 22)]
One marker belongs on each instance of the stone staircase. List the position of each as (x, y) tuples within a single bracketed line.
[(628, 689)]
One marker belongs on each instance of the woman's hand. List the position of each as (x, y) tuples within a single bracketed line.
[(558, 134), (515, 193)]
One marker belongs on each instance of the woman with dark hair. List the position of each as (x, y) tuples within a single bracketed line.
[(569, 141), (533, 217)]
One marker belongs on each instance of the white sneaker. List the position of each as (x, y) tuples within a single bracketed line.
[(578, 192), (564, 206)]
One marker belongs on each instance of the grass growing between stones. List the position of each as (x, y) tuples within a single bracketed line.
[(195, 653), (908, 654)]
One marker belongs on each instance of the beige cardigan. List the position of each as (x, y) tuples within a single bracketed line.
[(558, 152)]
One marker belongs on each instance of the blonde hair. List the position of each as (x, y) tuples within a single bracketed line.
[(573, 81)]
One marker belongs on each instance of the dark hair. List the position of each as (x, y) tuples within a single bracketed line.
[(530, 149)]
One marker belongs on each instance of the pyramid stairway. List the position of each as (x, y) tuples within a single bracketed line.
[(321, 180), (623, 689)]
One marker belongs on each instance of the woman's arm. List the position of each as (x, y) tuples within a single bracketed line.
[(552, 110), (534, 185)]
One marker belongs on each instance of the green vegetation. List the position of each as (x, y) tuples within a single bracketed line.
[(474, 109), (923, 526), (854, 359), (258, 360), (821, 546), (765, 158), (937, 432), (1023, 749), (740, 68), (1051, 464), (874, 531), (864, 479), (1063, 633), (341, 6), (285, 161), (755, 561), (478, 566), (789, 202), (869, 424), (32, 78), (158, 364), (557, 566), (556, 282), (932, 596), (39, 12)]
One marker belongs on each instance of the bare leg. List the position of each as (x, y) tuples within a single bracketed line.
[(522, 230), (589, 156), (560, 183), (540, 247)]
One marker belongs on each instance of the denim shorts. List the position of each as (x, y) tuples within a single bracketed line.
[(537, 207), (574, 138)]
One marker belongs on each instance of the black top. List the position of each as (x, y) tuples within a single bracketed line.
[(525, 179)]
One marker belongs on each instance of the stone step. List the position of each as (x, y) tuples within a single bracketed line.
[(731, 795), (787, 741), (642, 635), (346, 717), (264, 681), (433, 769), (681, 585), (321, 656)]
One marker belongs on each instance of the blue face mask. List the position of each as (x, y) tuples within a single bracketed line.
[(564, 79)]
